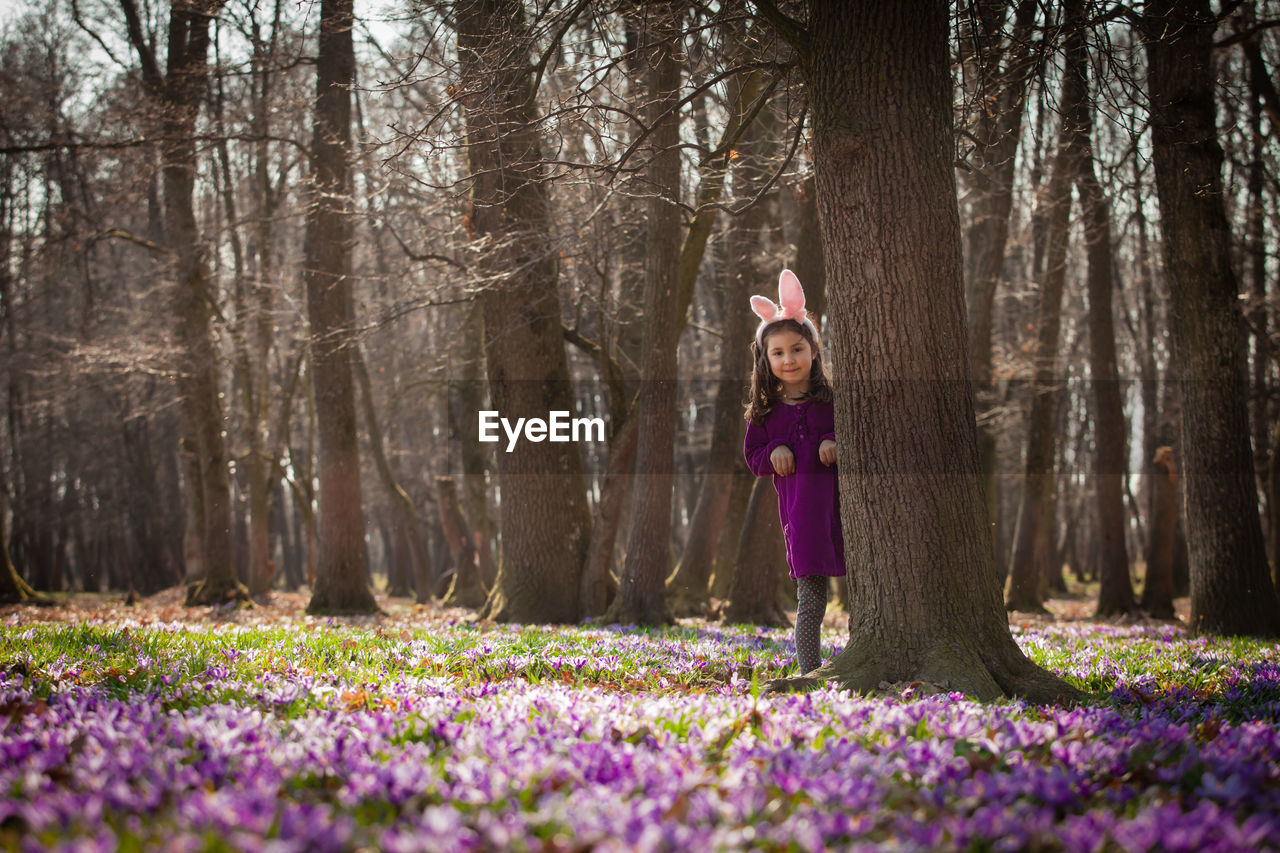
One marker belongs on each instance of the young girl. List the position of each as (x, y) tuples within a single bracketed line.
[(791, 436)]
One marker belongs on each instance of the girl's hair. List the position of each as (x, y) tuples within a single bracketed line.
[(766, 389)]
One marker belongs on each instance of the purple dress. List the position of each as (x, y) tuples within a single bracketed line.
[(809, 499)]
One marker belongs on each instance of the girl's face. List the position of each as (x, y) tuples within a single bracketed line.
[(790, 358)]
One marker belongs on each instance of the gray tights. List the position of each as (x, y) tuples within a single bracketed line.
[(812, 594)]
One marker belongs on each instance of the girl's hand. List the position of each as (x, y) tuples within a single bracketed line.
[(827, 452), (783, 460)]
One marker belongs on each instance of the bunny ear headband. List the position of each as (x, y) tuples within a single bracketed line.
[(791, 297)]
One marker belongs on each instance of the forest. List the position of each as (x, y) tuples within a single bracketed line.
[(375, 381), (259, 289)]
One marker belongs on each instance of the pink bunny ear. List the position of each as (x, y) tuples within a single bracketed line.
[(791, 295), (763, 307)]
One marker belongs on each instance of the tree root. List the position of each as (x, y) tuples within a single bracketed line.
[(218, 592), (356, 604), (985, 675)]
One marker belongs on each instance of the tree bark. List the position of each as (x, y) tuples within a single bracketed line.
[(641, 594), (925, 598), (544, 543), (1231, 588), (342, 574)]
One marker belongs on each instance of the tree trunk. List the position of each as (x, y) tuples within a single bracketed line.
[(1231, 588), (735, 518), (1255, 234), (13, 589), (544, 543), (688, 585), (475, 460), (466, 590), (408, 527), (760, 561), (1024, 588), (925, 599), (1111, 463), (599, 585), (997, 130), (342, 575), (1157, 588), (641, 598), (178, 93)]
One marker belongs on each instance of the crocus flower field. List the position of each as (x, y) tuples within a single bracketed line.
[(420, 731)]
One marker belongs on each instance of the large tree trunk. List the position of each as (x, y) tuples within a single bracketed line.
[(342, 575), (641, 594), (925, 598), (544, 542), (1231, 588), (178, 93)]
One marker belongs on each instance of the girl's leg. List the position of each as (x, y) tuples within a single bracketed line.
[(812, 595)]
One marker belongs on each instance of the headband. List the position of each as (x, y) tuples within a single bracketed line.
[(791, 307)]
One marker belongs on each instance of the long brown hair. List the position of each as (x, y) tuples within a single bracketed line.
[(766, 389)]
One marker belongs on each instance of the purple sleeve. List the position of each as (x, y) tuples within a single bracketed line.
[(757, 449)]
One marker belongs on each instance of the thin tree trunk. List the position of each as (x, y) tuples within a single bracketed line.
[(1231, 588), (1157, 588), (1024, 590), (599, 585), (465, 590), (688, 584), (735, 518), (641, 597), (1003, 82), (761, 557), (1111, 463), (1255, 234), (342, 575), (406, 522)]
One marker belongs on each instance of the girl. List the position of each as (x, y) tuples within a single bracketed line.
[(791, 436)]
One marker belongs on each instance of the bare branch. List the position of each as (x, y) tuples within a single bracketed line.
[(787, 28)]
